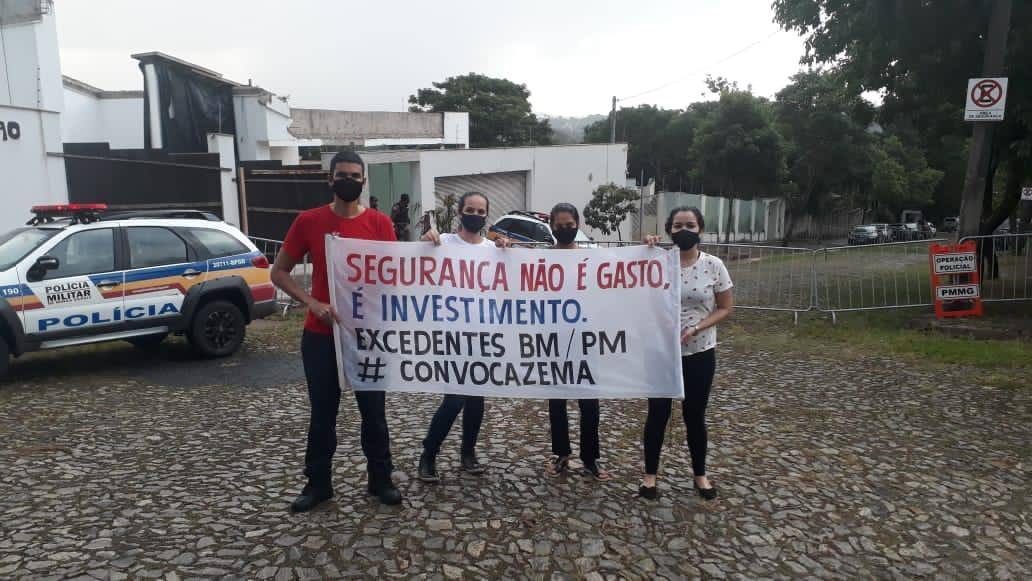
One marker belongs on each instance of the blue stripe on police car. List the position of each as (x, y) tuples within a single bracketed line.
[(99, 318)]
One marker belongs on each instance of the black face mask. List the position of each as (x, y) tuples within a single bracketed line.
[(473, 223), (347, 189), (685, 239), (565, 235)]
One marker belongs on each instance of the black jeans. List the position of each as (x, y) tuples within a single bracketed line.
[(320, 363), (560, 427), (698, 370), (472, 408)]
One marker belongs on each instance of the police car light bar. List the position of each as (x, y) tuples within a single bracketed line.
[(80, 213), (57, 209)]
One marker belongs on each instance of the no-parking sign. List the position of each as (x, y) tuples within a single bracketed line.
[(986, 99)]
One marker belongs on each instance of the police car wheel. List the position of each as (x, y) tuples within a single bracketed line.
[(5, 357), (217, 329), (147, 341)]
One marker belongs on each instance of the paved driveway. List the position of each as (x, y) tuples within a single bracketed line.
[(117, 464)]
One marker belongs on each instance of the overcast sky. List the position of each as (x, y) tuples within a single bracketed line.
[(572, 55)]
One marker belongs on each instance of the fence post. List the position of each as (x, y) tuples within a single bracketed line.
[(242, 192)]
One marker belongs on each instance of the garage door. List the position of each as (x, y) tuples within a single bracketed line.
[(506, 191)]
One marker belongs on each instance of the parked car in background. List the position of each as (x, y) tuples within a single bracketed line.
[(926, 229), (521, 226), (864, 234), (884, 233), (913, 231), (950, 224), (899, 232)]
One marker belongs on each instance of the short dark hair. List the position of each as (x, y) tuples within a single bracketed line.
[(462, 200), (404, 198), (561, 208), (345, 157), (678, 210)]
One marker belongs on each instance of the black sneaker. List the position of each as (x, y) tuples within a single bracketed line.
[(470, 464), (428, 468), (310, 497)]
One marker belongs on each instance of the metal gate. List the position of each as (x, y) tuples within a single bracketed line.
[(270, 199), (139, 179), (507, 191)]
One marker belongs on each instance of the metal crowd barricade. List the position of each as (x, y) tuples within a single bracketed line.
[(871, 277), (1005, 266), (302, 273), (830, 280), (769, 278)]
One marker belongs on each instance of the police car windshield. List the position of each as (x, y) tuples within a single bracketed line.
[(17, 244)]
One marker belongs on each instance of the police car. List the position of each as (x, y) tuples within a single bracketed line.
[(531, 227), (77, 273)]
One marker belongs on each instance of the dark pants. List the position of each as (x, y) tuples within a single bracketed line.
[(320, 362), (698, 370), (472, 408), (560, 426)]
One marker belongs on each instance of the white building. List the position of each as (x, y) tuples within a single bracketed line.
[(513, 178), (92, 115), (31, 101), (379, 129), (262, 122)]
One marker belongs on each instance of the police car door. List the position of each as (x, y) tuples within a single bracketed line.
[(82, 294), (162, 268)]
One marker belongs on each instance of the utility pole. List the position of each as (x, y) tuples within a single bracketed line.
[(612, 122), (982, 136)]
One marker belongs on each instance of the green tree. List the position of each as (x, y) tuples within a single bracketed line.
[(738, 148), (919, 55), (827, 147), (499, 110), (445, 213), (900, 177), (642, 129), (609, 206)]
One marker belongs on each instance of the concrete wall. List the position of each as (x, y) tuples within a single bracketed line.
[(31, 172), (262, 122), (94, 119), (30, 67), (360, 125), (555, 173), (222, 144), (757, 220), (286, 155), (456, 128), (251, 127)]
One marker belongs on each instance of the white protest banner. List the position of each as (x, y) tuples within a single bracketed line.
[(575, 324)]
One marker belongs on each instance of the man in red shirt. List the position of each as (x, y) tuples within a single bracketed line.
[(343, 217)]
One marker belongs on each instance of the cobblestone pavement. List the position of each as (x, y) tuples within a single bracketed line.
[(116, 464)]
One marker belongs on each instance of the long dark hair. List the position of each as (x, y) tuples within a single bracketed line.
[(678, 210)]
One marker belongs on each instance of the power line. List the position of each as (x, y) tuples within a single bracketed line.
[(697, 71)]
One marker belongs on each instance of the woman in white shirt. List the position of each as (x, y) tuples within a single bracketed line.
[(473, 208), (706, 300)]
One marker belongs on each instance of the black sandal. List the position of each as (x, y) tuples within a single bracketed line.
[(596, 472), (648, 492), (558, 466), (706, 493)]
